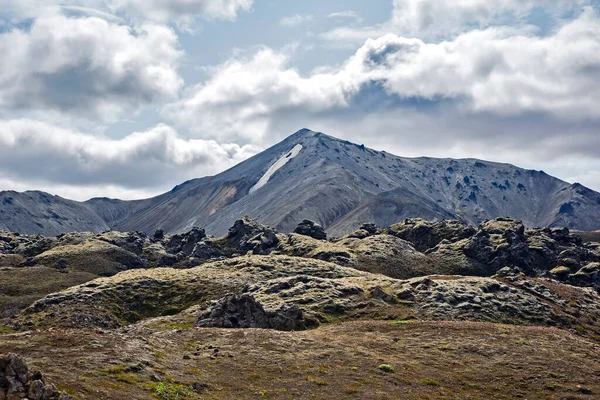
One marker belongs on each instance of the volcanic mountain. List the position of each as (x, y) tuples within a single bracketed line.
[(339, 184)]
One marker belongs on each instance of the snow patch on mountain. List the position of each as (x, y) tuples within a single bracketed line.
[(275, 167)]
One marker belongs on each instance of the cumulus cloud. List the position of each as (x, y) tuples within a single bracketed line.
[(497, 70), (500, 93), (440, 19), (87, 66), (242, 95), (296, 20), (143, 162)]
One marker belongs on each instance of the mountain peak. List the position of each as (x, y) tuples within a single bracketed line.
[(337, 183), (304, 132)]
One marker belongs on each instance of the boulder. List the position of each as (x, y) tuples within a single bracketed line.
[(248, 235), (185, 243), (159, 234), (364, 231), (312, 229), (560, 273), (587, 276), (17, 383)]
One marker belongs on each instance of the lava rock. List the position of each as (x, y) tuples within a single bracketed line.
[(312, 229), (243, 311)]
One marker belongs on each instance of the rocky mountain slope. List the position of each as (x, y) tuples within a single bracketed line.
[(416, 310), (334, 182)]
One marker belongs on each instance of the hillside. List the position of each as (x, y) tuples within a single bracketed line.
[(334, 182), (418, 310)]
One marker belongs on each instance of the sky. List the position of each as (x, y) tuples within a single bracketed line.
[(128, 98)]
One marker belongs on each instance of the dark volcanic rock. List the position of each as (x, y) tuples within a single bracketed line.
[(425, 235), (185, 242), (587, 276), (17, 383), (131, 241), (206, 250), (505, 242), (312, 229), (243, 311), (364, 231), (248, 235)]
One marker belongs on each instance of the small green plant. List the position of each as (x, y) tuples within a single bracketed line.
[(386, 367), (261, 393), (172, 391), (430, 382), (401, 322)]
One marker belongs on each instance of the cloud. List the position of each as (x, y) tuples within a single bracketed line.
[(87, 67), (501, 93), (435, 20), (167, 10), (38, 155), (295, 20), (498, 70), (344, 14), (162, 11), (239, 99)]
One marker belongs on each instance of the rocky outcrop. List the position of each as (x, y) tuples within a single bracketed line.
[(425, 235), (16, 382), (587, 276), (184, 243), (247, 235), (312, 229), (130, 241), (364, 231), (243, 311), (505, 242)]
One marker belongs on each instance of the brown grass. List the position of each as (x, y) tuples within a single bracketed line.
[(19, 287), (431, 360)]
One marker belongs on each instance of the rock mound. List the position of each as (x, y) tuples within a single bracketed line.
[(312, 229), (425, 235), (243, 311)]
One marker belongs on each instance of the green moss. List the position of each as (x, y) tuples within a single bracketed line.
[(403, 322), (386, 367), (430, 382), (172, 391), (4, 329)]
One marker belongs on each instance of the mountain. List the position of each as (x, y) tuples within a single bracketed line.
[(334, 182)]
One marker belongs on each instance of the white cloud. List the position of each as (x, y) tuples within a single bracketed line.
[(167, 10), (497, 70), (344, 14), (441, 19), (296, 20), (143, 162), (87, 66), (155, 10), (239, 99)]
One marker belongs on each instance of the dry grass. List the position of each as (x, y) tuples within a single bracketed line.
[(431, 360), (19, 287), (589, 236)]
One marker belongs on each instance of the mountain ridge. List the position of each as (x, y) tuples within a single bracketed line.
[(335, 182)]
